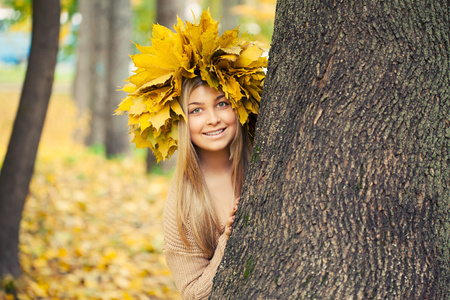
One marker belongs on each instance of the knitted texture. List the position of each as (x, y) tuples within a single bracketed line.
[(192, 271)]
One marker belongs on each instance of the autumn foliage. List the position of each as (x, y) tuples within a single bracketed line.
[(91, 227)]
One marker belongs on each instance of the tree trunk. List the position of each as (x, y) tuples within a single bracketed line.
[(348, 192), (228, 20), (83, 75), (19, 161), (167, 11), (99, 69), (102, 64), (117, 141)]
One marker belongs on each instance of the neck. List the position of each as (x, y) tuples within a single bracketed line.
[(214, 162)]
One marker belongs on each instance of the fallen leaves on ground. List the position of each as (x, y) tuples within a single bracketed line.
[(91, 227)]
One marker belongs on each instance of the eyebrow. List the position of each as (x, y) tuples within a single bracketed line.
[(200, 103)]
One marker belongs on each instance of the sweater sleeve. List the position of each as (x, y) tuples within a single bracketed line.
[(193, 275), (192, 271)]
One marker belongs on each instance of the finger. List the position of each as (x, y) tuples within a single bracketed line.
[(227, 231), (230, 221), (228, 226), (233, 211)]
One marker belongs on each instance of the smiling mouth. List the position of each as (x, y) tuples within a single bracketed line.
[(215, 132)]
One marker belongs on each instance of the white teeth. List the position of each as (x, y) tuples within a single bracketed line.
[(214, 132)]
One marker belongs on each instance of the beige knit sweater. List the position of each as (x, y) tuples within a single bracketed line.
[(192, 271)]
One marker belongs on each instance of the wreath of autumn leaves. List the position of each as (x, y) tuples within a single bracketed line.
[(227, 62)]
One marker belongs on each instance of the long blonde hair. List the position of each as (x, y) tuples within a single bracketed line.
[(195, 204)]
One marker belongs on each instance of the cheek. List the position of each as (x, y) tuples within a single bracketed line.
[(194, 125), (233, 121), (230, 117)]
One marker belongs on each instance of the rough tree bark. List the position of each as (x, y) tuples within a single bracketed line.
[(19, 161), (348, 193), (117, 141)]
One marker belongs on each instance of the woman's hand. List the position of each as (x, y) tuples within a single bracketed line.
[(231, 218)]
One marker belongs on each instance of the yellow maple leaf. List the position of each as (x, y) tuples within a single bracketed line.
[(144, 121), (241, 112), (140, 140), (124, 106), (153, 63), (176, 108), (138, 106), (132, 120), (159, 118), (129, 88), (164, 146), (228, 39), (155, 83), (248, 56)]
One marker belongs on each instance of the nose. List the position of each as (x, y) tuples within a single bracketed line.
[(213, 118)]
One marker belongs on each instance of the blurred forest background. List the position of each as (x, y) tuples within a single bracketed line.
[(92, 223)]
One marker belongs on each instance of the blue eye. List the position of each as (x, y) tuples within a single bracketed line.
[(195, 110), (222, 104)]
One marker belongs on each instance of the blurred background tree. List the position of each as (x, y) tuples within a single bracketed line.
[(101, 66), (18, 165)]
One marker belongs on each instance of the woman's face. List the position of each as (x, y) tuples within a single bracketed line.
[(211, 119)]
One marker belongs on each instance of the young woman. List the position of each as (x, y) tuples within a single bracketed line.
[(213, 154), (197, 92)]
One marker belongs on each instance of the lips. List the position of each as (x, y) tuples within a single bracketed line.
[(212, 133)]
